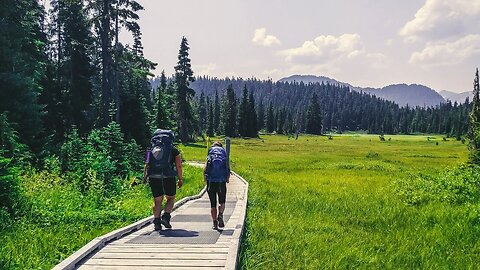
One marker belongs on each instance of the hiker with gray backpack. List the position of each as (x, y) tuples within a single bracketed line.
[(217, 174), (163, 164)]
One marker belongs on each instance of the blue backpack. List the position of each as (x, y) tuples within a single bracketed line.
[(160, 162), (217, 168)]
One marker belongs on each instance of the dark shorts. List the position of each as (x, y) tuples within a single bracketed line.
[(214, 189), (165, 186)]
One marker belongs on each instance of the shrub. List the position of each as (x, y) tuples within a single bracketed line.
[(456, 186), (99, 161)]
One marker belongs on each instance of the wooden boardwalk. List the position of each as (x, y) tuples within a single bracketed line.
[(190, 244)]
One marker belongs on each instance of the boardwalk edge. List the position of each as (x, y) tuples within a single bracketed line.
[(97, 243)]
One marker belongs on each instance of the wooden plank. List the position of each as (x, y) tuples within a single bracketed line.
[(120, 267), (178, 246), (140, 262), (163, 256), (164, 250)]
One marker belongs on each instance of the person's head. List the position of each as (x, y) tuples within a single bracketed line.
[(219, 144)]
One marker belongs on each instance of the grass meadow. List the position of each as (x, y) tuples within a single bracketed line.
[(352, 203), (61, 219)]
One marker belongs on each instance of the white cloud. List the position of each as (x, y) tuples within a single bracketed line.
[(447, 53), (439, 19), (332, 55), (260, 37), (325, 48)]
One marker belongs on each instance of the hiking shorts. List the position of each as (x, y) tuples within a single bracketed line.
[(214, 189), (163, 186)]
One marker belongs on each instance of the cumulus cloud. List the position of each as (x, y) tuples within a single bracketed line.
[(440, 19), (447, 53), (326, 47), (260, 37)]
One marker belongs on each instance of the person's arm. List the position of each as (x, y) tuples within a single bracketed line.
[(178, 163), (228, 173), (205, 172), (145, 167)]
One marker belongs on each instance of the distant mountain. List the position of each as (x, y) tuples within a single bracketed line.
[(402, 94), (458, 97)]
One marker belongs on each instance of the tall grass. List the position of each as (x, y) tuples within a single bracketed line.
[(61, 219), (345, 203)]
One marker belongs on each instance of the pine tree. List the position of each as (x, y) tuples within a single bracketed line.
[(230, 112), (252, 117), (74, 70), (109, 16), (261, 116), (21, 61), (474, 129), (202, 113), (163, 113), (216, 114), (210, 124), (270, 119), (184, 75), (243, 114), (314, 117)]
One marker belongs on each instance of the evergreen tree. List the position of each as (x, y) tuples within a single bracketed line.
[(252, 117), (230, 112), (109, 16), (210, 123), (21, 61), (202, 113), (184, 75), (216, 114), (74, 70), (314, 117), (243, 114), (163, 113), (474, 130), (270, 119), (261, 116)]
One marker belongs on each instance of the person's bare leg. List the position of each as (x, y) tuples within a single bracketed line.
[(169, 204), (157, 209), (157, 206), (213, 212)]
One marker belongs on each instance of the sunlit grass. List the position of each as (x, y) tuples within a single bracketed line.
[(316, 203), (62, 220)]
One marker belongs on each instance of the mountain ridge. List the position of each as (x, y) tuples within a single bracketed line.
[(403, 94)]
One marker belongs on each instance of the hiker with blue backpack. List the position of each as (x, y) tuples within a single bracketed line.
[(216, 174), (163, 164)]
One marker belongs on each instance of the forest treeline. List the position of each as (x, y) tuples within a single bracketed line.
[(286, 108)]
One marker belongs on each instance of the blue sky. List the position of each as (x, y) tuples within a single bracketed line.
[(363, 42)]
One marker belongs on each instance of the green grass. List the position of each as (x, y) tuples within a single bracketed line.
[(60, 219), (316, 203)]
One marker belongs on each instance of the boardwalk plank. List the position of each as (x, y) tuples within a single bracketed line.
[(159, 263), (189, 253)]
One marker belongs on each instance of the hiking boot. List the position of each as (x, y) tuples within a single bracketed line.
[(215, 225), (166, 220), (221, 224), (157, 223)]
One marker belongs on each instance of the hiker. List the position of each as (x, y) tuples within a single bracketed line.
[(216, 174), (163, 163)]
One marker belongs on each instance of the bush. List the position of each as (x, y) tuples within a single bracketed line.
[(10, 194), (99, 161), (455, 186)]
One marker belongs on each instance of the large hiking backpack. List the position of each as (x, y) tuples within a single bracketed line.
[(160, 163), (217, 167)]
